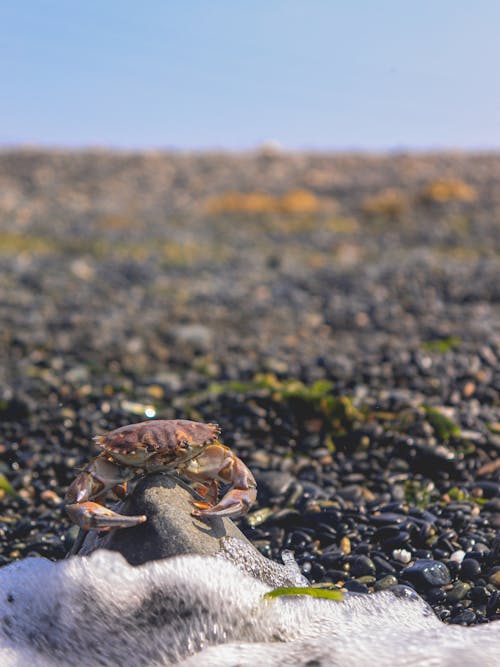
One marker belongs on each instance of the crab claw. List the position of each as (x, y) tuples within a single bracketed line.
[(92, 516), (83, 487), (218, 463), (235, 503)]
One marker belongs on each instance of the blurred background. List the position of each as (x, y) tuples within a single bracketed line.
[(280, 216), (197, 75)]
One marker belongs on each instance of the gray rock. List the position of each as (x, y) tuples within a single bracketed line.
[(171, 530)]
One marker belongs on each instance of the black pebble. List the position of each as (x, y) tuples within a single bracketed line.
[(355, 586), (470, 568), (465, 617), (424, 573), (361, 566)]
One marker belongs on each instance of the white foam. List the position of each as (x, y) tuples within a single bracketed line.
[(190, 610)]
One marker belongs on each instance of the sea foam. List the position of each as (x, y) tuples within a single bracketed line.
[(193, 610)]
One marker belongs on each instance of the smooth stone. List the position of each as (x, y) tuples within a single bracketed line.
[(465, 617), (436, 595), (494, 579), (382, 566), (399, 540), (351, 492), (170, 529), (470, 568), (479, 594), (458, 592), (335, 575), (361, 566), (493, 602), (355, 586), (388, 518), (426, 572), (387, 582)]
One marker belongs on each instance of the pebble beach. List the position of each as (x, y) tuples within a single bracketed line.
[(338, 315)]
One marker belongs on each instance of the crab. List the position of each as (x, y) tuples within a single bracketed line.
[(192, 449)]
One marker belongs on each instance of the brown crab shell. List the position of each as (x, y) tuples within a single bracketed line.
[(175, 438)]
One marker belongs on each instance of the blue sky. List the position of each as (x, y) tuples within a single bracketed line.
[(189, 74)]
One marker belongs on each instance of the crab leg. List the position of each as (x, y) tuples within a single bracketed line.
[(218, 463), (92, 516), (99, 477)]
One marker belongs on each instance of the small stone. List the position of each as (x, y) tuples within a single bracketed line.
[(388, 518), (385, 583), (51, 497), (494, 579), (396, 542), (156, 391), (345, 545), (465, 617), (457, 556), (402, 555), (479, 594), (361, 566), (383, 566), (435, 595), (352, 493), (470, 568), (356, 586), (425, 572), (458, 592)]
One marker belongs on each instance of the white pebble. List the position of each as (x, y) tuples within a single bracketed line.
[(401, 555), (458, 556)]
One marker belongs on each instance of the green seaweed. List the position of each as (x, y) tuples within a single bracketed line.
[(458, 494), (441, 345), (419, 494), (6, 486), (337, 414), (312, 592), (444, 428)]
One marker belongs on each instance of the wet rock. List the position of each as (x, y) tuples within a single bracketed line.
[(355, 586), (494, 579), (386, 582), (382, 565), (435, 595), (361, 566), (465, 617), (170, 529), (470, 568), (388, 518), (426, 572), (458, 592)]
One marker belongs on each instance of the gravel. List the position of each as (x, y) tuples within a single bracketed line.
[(351, 358)]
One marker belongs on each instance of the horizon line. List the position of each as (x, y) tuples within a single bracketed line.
[(270, 147)]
